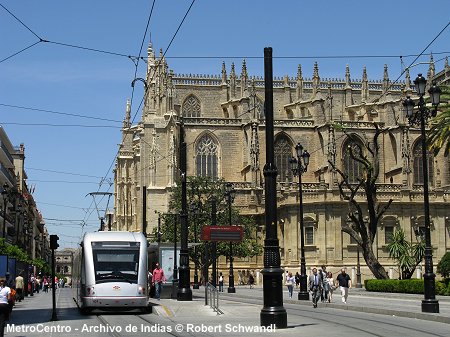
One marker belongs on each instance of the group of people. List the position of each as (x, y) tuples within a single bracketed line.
[(321, 284)]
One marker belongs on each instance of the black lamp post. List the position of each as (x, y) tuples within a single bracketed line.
[(299, 166), (184, 288), (273, 311), (230, 193), (194, 210), (5, 194), (358, 269), (419, 117)]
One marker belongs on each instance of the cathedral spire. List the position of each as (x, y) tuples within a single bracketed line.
[(364, 87), (316, 80), (347, 77), (407, 81), (385, 79), (244, 78), (348, 87), (224, 73), (431, 70), (232, 81), (127, 119), (299, 83)]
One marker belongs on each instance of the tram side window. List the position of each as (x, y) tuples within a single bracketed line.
[(115, 265)]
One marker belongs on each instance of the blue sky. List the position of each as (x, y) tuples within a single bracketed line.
[(67, 157)]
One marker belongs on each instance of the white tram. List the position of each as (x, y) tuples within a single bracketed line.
[(110, 272)]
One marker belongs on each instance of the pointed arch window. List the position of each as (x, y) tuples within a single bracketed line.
[(418, 164), (206, 157), (283, 152), (352, 168), (191, 107)]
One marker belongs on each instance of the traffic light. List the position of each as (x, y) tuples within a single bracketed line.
[(54, 241)]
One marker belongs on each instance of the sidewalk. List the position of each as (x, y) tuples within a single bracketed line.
[(393, 304)]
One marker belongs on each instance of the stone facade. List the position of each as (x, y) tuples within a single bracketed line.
[(64, 264), (223, 116)]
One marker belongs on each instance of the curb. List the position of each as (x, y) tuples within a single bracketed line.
[(387, 312)]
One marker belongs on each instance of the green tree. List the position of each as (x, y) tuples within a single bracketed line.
[(406, 254), (439, 135), (443, 266), (200, 193)]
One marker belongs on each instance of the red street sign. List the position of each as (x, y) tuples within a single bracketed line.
[(222, 233)]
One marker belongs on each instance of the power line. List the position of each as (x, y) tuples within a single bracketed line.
[(63, 181), (62, 172), (46, 203), (20, 51), (64, 125), (21, 22), (58, 112)]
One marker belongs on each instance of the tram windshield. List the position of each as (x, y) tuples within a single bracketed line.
[(116, 264)]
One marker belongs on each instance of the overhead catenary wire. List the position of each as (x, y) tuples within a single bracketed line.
[(59, 113), (64, 125)]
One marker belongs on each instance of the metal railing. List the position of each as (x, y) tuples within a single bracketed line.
[(212, 298)]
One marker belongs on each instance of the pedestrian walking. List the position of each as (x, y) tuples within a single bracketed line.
[(19, 287), (344, 282), (251, 281), (324, 293), (221, 282), (45, 282), (5, 292), (290, 281), (331, 286), (297, 279), (315, 286), (157, 280), (11, 284)]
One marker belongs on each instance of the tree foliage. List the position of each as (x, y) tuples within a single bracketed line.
[(407, 255), (200, 193), (443, 266), (360, 227), (439, 135), (19, 254)]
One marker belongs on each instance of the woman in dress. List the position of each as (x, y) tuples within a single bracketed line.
[(330, 282)]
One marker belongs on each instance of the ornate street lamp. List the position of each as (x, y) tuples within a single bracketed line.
[(299, 166), (419, 117), (230, 193)]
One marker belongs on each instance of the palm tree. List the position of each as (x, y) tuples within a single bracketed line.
[(439, 134), (407, 255)]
